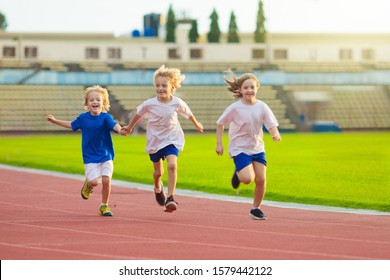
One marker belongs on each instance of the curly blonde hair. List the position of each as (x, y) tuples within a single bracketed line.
[(103, 93), (174, 76), (235, 83)]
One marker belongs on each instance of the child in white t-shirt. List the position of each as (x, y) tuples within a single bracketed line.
[(164, 135), (246, 118)]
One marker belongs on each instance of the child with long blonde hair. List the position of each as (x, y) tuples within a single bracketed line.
[(246, 118), (97, 147), (164, 135)]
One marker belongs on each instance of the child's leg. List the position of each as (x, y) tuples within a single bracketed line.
[(260, 181), (158, 172), (92, 174), (247, 174), (93, 183), (172, 174), (106, 189)]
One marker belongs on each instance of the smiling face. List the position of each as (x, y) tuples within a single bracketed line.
[(95, 103), (164, 88), (248, 90)]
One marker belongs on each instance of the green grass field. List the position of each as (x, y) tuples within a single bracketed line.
[(348, 169)]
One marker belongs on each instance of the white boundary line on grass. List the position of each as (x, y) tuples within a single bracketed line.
[(237, 199)]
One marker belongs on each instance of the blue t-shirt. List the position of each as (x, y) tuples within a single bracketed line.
[(96, 140)]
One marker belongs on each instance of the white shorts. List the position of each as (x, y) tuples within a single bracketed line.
[(96, 170)]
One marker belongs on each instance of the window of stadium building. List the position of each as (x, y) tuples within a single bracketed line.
[(174, 53), (92, 53), (368, 54), (280, 54), (258, 53), (196, 53), (345, 54), (30, 52), (114, 53), (9, 52)]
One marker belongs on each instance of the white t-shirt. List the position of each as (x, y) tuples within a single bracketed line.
[(246, 126), (163, 126)]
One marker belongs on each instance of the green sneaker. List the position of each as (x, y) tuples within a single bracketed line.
[(104, 210), (86, 190)]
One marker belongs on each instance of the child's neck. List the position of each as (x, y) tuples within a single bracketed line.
[(164, 99), (248, 102)]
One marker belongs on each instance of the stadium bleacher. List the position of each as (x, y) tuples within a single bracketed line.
[(25, 107), (358, 100), (351, 106)]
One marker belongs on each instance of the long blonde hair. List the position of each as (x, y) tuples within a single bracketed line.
[(235, 83), (174, 76), (103, 93)]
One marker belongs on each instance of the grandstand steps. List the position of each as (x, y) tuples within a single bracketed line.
[(25, 107), (350, 107)]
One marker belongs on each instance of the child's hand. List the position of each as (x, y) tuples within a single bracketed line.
[(199, 127), (219, 149), (125, 131), (276, 138), (51, 118)]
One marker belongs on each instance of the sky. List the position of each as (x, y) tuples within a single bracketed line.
[(121, 17)]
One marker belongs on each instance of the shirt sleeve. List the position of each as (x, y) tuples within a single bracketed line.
[(184, 109), (270, 120), (142, 109), (110, 121), (76, 124), (226, 116)]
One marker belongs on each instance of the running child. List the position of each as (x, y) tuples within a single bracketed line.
[(164, 135), (246, 118), (97, 147)]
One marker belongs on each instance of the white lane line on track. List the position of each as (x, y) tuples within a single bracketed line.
[(198, 194)]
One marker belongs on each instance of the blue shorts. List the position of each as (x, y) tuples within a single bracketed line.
[(164, 152), (243, 160)]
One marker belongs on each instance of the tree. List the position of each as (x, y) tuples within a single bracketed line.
[(3, 21), (214, 34), (171, 26), (193, 35), (233, 30), (260, 33)]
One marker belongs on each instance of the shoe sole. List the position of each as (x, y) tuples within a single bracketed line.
[(170, 207), (108, 214), (253, 217)]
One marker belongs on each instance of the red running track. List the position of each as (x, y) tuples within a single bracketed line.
[(44, 217)]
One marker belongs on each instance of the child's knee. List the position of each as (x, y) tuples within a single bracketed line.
[(93, 183), (172, 167), (260, 180), (106, 180), (158, 173)]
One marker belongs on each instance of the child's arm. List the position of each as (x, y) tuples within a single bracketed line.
[(66, 124), (219, 148), (197, 124), (117, 128), (127, 129), (275, 134)]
